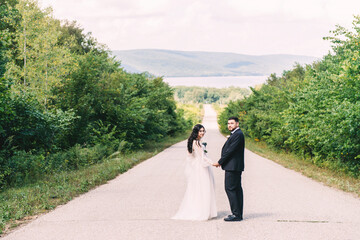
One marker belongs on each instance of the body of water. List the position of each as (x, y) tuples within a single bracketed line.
[(217, 82)]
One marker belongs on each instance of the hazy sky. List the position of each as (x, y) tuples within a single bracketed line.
[(250, 27)]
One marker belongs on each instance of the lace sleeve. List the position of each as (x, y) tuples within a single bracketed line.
[(200, 155)]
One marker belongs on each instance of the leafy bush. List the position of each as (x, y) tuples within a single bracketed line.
[(28, 125), (190, 114), (65, 103), (312, 111), (209, 95)]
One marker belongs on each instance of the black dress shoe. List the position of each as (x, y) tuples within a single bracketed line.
[(232, 215), (233, 218)]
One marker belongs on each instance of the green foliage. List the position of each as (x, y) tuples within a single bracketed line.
[(312, 111), (232, 109), (209, 95), (193, 114), (324, 122), (27, 125), (9, 18), (6, 112), (259, 113), (79, 43), (62, 186), (140, 106), (38, 61), (65, 103)]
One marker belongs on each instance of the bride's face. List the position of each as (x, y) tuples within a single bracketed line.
[(201, 133)]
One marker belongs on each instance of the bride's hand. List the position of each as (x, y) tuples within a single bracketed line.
[(216, 164)]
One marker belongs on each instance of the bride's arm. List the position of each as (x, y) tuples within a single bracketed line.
[(199, 152), (208, 160)]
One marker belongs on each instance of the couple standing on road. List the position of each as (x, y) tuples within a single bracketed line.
[(199, 199)]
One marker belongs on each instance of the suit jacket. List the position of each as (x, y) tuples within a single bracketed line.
[(232, 153)]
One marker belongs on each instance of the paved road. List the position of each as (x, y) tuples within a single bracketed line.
[(279, 204)]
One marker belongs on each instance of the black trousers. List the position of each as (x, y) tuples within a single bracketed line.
[(234, 192)]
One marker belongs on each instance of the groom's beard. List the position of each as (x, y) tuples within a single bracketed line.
[(232, 129)]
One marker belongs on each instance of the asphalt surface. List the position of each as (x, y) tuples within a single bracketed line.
[(278, 204)]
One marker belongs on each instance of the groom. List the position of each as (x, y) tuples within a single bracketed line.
[(232, 161)]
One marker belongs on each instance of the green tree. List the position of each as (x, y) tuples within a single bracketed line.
[(9, 18), (312, 111), (81, 42), (44, 61), (209, 95), (65, 102)]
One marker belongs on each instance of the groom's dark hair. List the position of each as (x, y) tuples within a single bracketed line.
[(234, 118)]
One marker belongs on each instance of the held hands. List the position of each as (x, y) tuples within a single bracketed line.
[(216, 164)]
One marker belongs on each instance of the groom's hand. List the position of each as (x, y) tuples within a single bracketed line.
[(216, 164)]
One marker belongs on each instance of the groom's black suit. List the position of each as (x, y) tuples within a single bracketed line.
[(232, 161)]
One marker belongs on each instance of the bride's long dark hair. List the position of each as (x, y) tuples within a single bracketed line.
[(193, 136)]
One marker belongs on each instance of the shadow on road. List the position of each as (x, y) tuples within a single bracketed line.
[(257, 215), (222, 214)]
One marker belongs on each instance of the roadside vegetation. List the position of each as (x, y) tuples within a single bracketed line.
[(311, 112), (209, 95), (70, 117)]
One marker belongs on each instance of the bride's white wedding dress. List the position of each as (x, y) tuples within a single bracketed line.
[(199, 199)]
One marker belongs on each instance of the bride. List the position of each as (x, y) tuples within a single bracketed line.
[(199, 199)]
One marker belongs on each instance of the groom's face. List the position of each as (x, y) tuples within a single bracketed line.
[(232, 124)]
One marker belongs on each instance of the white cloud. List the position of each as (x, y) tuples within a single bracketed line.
[(242, 26)]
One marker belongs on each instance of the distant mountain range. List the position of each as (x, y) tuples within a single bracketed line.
[(170, 63)]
